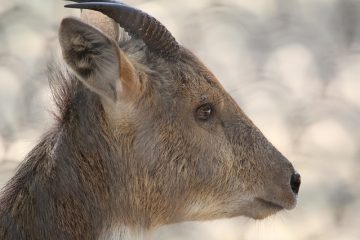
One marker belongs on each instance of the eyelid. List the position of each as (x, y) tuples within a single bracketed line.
[(208, 113)]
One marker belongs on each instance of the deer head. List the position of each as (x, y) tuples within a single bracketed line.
[(191, 152)]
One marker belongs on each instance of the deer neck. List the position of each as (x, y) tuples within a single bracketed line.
[(111, 157), (110, 172)]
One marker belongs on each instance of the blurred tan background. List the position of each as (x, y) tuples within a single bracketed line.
[(292, 65)]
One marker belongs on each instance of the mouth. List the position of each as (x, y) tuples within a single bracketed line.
[(269, 205), (264, 209)]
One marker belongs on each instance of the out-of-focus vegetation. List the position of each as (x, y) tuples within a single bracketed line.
[(293, 66)]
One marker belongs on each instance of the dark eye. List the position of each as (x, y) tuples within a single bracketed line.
[(204, 112)]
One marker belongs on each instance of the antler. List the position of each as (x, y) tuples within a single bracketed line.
[(137, 23)]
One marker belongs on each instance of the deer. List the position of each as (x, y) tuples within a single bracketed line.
[(144, 136)]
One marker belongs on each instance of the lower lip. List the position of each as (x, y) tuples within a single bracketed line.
[(270, 204)]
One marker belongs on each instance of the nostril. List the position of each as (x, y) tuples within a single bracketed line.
[(295, 182)]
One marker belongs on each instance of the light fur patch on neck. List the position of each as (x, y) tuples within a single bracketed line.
[(202, 209), (123, 233)]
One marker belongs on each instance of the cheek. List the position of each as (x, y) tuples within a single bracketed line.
[(214, 161), (220, 150)]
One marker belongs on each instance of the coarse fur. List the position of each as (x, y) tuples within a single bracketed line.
[(128, 150)]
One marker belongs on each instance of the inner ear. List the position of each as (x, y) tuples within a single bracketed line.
[(96, 59)]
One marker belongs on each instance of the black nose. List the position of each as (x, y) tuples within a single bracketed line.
[(295, 182)]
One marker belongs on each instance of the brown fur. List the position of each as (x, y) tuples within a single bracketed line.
[(141, 161)]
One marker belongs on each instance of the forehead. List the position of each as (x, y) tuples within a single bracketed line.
[(195, 79), (182, 86)]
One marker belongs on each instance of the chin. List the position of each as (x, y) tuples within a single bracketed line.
[(263, 214), (259, 209)]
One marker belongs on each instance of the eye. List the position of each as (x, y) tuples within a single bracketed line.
[(204, 112)]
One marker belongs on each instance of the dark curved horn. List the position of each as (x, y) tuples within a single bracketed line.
[(137, 23)]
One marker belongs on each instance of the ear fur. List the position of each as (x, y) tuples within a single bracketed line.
[(97, 60)]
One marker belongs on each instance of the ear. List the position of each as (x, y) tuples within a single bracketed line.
[(97, 60)]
